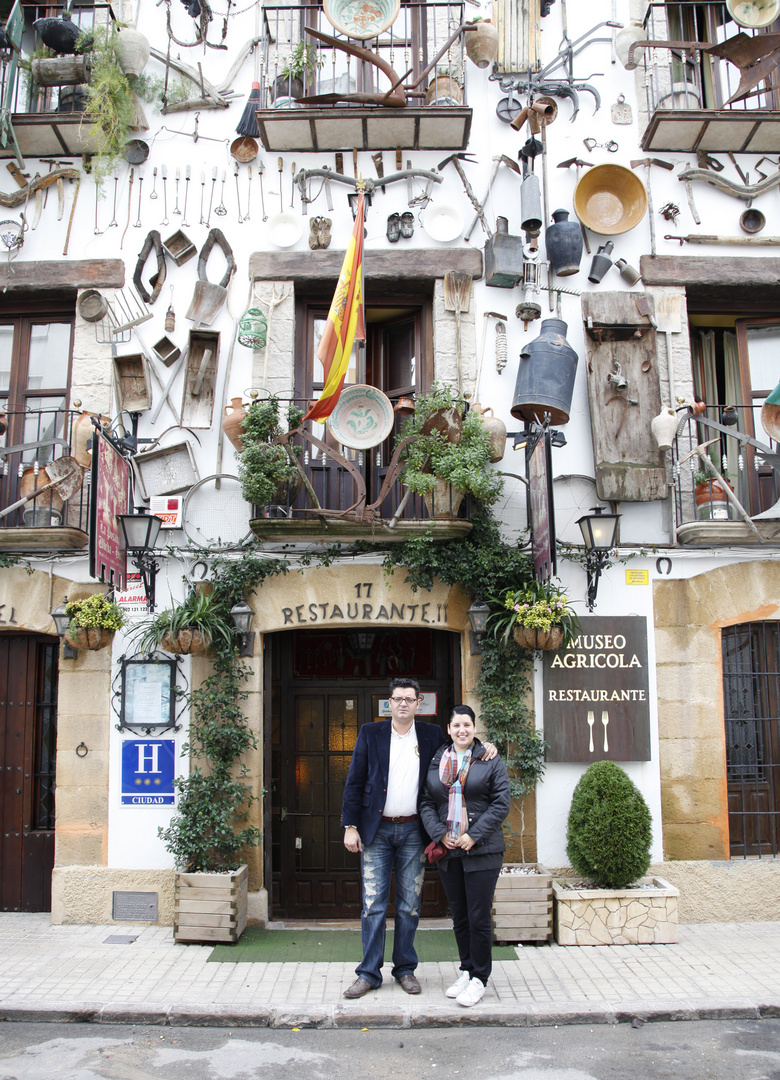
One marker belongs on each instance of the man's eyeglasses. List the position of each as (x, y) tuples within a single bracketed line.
[(403, 700)]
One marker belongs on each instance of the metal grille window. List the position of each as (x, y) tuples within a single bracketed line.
[(751, 698), (45, 737)]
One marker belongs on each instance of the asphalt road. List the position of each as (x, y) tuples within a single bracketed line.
[(707, 1050)]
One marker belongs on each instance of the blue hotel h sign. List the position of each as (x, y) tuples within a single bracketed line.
[(147, 772)]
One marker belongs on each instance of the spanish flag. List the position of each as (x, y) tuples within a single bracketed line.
[(345, 323)]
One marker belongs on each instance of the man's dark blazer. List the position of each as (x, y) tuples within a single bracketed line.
[(365, 791)]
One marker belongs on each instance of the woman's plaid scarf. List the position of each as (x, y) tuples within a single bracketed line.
[(454, 779)]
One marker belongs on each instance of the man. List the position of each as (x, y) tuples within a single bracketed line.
[(379, 815)]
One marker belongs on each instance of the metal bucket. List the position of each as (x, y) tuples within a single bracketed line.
[(545, 377)]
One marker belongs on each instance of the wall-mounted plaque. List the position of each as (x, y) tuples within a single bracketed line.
[(596, 693)]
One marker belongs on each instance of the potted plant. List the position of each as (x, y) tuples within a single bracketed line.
[(538, 615), (209, 833), (302, 64), (712, 502), (267, 469), (447, 459), (444, 89), (482, 43), (93, 621), (192, 627), (608, 838)]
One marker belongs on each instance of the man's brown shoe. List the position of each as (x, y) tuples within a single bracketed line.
[(359, 988), (410, 984)]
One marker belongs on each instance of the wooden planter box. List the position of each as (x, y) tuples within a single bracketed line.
[(523, 905), (211, 907), (635, 916)]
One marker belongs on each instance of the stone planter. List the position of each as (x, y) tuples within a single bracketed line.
[(211, 907), (186, 643), (522, 903), (529, 638), (89, 637), (643, 915)]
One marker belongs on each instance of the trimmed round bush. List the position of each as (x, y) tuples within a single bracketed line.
[(609, 831)]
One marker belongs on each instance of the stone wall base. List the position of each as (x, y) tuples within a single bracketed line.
[(84, 895), (636, 916)]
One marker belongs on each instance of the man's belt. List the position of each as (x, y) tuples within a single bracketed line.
[(400, 820)]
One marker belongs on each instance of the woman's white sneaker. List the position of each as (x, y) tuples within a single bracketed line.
[(472, 994), (459, 986)]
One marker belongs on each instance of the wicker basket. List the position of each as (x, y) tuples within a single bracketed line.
[(529, 638)]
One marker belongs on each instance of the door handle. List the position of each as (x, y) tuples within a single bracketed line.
[(295, 813)]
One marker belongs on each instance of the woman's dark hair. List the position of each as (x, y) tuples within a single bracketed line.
[(463, 710)]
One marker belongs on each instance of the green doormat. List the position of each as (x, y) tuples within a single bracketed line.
[(334, 946)]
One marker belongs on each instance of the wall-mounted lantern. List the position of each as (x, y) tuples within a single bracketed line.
[(599, 532)]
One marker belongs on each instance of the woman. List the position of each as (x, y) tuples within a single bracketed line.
[(465, 802)]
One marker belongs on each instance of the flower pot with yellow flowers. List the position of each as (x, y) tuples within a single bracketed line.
[(93, 621), (538, 615)]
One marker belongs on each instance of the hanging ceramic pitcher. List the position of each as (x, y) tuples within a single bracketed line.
[(495, 428), (482, 43), (132, 51), (664, 428), (233, 420)]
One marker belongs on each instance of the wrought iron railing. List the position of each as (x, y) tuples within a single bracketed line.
[(355, 485), (685, 76), (20, 93), (44, 436), (750, 466), (409, 46)]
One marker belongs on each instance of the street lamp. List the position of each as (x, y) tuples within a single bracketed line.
[(478, 617), (140, 532), (62, 622), (599, 532), (243, 616)]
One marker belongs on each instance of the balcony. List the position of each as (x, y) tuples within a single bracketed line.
[(344, 91), (344, 495), (705, 516), (47, 521), (43, 121), (690, 83)]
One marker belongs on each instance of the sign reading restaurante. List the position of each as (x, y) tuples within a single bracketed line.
[(596, 695)]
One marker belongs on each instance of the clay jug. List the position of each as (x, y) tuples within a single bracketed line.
[(232, 421), (496, 430), (80, 434), (564, 244), (46, 509), (132, 51), (482, 43), (664, 428)]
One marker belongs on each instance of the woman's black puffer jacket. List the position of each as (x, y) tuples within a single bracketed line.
[(486, 794)]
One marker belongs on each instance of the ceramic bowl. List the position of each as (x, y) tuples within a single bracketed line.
[(285, 230), (443, 222), (610, 199), (361, 19), (363, 417)]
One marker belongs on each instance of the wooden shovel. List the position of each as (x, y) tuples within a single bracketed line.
[(457, 293), (66, 478)]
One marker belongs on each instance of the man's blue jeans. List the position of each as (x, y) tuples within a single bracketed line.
[(399, 846)]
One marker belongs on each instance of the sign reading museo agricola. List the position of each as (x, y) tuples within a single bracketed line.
[(596, 693)]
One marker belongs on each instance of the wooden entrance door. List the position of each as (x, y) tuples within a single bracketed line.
[(28, 736), (323, 687)]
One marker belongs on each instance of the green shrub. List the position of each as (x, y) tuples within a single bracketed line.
[(609, 831)]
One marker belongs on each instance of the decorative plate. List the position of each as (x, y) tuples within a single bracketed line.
[(754, 14), (361, 19), (443, 222), (363, 417), (285, 230)]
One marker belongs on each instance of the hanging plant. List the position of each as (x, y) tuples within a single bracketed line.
[(110, 104)]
